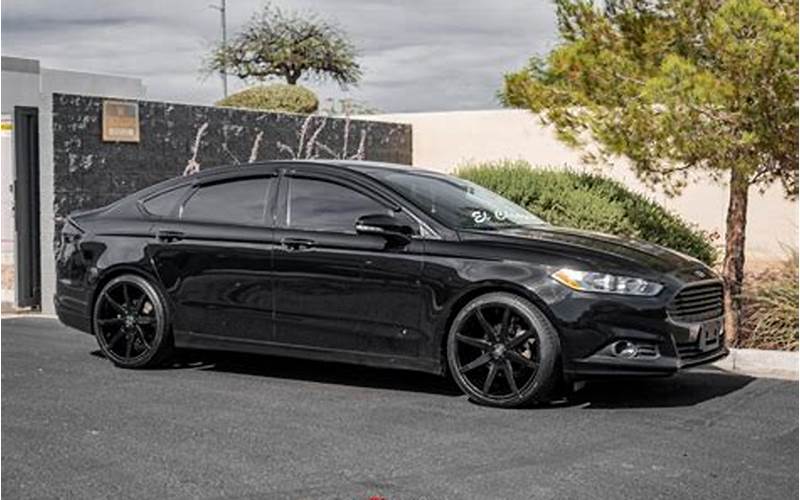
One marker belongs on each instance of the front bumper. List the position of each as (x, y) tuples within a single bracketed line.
[(685, 346), (679, 328), (600, 365)]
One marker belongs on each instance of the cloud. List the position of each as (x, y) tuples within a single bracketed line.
[(417, 56)]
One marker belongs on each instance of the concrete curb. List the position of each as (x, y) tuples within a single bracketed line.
[(762, 363), (13, 315)]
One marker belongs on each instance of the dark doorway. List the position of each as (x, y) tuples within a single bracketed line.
[(26, 205)]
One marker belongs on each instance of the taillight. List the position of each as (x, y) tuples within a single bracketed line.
[(71, 232)]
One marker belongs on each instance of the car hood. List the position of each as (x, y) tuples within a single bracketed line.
[(648, 255)]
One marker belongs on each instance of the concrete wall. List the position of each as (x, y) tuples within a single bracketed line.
[(7, 255), (444, 140), (20, 82), (25, 83), (54, 81), (77, 82)]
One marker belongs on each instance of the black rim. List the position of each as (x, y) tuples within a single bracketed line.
[(496, 351), (126, 321)]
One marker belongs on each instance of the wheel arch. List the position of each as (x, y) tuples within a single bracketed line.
[(119, 270), (479, 289)]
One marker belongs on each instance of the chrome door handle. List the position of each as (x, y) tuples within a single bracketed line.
[(167, 235), (292, 244)]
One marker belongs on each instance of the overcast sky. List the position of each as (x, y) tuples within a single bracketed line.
[(416, 56)]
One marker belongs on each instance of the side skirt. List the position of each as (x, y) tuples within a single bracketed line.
[(190, 340)]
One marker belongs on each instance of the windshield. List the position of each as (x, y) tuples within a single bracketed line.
[(457, 203)]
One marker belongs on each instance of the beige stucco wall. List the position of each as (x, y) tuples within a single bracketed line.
[(443, 140)]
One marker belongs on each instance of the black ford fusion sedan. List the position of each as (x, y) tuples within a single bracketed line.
[(381, 265)]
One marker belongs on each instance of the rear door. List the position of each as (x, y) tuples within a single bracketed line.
[(213, 253), (336, 289)]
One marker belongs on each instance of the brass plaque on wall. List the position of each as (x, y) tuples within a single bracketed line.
[(120, 121)]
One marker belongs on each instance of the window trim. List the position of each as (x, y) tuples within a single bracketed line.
[(268, 198)]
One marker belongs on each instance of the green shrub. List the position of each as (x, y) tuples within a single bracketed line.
[(591, 202), (276, 97), (769, 307)]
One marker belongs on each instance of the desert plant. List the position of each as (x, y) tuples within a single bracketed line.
[(276, 97), (589, 201), (770, 305), (288, 45)]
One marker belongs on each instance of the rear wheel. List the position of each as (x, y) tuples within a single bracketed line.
[(502, 351), (131, 323)]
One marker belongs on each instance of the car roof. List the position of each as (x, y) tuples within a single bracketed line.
[(357, 164), (364, 167), (372, 169)]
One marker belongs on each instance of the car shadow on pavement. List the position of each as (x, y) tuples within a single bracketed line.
[(685, 389), (319, 371)]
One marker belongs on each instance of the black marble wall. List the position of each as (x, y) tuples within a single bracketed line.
[(177, 139)]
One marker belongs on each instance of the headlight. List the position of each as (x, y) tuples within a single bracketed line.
[(587, 281)]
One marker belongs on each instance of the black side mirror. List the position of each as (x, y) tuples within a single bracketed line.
[(392, 229)]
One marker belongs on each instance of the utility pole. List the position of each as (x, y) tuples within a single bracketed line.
[(224, 73)]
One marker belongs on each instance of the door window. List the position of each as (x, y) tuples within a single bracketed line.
[(238, 202), (318, 205)]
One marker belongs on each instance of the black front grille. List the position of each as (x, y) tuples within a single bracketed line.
[(697, 303)]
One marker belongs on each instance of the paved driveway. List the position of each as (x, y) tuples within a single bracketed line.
[(260, 427)]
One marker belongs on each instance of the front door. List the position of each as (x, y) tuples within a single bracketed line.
[(335, 289), (214, 256)]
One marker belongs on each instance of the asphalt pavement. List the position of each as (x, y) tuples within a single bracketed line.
[(236, 426)]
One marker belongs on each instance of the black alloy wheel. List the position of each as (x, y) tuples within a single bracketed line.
[(130, 323), (502, 351)]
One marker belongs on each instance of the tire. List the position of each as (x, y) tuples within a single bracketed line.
[(498, 338), (130, 321)]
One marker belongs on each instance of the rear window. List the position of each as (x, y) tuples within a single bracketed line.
[(165, 204)]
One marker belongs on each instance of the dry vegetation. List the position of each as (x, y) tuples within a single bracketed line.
[(770, 307)]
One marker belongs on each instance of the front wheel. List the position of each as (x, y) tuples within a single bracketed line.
[(502, 351), (131, 323)]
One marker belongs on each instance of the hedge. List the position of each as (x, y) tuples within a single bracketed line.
[(276, 97), (591, 202)]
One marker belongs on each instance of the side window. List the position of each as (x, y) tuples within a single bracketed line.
[(163, 204), (326, 206), (236, 202)]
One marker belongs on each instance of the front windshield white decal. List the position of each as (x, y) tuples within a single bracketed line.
[(485, 217), (480, 216)]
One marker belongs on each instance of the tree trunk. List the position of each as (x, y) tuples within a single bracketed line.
[(733, 265), (292, 77)]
